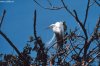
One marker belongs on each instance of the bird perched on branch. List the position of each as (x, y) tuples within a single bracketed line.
[(59, 29)]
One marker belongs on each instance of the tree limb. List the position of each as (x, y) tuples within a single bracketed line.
[(49, 3), (67, 8), (34, 25), (49, 8), (87, 10), (86, 46), (81, 25), (1, 21), (97, 3), (10, 42)]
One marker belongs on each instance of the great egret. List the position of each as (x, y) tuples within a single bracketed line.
[(59, 29)]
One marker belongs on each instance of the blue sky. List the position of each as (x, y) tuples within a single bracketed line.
[(18, 21)]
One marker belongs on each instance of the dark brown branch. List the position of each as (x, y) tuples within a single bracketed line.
[(74, 14), (10, 42), (76, 18), (86, 46), (84, 30), (87, 10), (35, 32), (97, 3), (94, 58), (97, 26), (34, 26), (90, 52), (50, 8), (67, 8), (1, 21), (39, 4), (81, 37), (73, 47), (91, 4), (49, 3), (79, 22), (15, 48), (95, 31), (81, 25), (62, 52)]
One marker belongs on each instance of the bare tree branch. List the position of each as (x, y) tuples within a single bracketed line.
[(87, 10), (90, 52), (84, 30), (73, 47), (49, 8), (80, 23), (1, 21), (94, 58), (86, 46), (34, 26), (67, 8), (76, 18), (10, 42), (49, 3), (97, 3)]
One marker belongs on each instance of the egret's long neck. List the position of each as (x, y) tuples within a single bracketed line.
[(51, 40)]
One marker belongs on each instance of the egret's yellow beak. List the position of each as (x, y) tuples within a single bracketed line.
[(48, 27)]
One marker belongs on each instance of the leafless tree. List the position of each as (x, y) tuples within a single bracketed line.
[(76, 46), (82, 56)]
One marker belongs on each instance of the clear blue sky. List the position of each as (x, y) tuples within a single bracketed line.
[(18, 21)]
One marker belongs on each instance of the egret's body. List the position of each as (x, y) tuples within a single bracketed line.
[(59, 30)]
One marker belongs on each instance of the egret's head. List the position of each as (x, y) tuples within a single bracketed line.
[(54, 27), (58, 27)]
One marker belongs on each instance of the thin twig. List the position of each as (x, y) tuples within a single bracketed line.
[(94, 58), (67, 8), (83, 28), (78, 21), (76, 18), (10, 42), (97, 3), (91, 4), (49, 3), (34, 26), (1, 21), (13, 45), (86, 13), (86, 46), (81, 25), (49, 8), (90, 52), (73, 47)]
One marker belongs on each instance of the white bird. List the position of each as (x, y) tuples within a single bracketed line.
[(59, 29)]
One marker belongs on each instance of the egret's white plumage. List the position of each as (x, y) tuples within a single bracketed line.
[(59, 29)]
